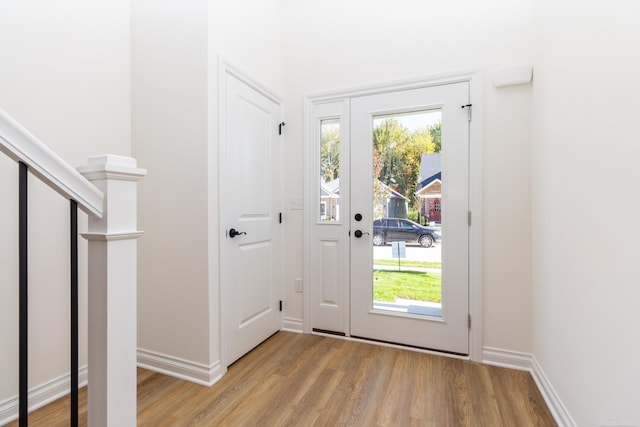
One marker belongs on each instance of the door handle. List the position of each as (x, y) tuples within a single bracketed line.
[(233, 233), (359, 233)]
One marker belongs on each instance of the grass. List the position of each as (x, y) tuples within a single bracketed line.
[(415, 285), (424, 264)]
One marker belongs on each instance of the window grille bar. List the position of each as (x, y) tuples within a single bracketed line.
[(23, 392), (74, 313)]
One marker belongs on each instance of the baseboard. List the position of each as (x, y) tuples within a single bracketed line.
[(527, 362), (557, 408), (180, 368), (290, 324), (41, 395), (507, 358)]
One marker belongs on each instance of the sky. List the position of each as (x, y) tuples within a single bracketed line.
[(413, 121)]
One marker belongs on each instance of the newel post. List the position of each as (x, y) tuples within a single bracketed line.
[(112, 309)]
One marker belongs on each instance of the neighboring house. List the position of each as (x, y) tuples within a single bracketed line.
[(330, 200), (429, 188), (391, 204)]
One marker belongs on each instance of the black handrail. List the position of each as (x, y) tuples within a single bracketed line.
[(23, 393)]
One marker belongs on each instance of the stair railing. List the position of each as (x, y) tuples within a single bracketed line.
[(106, 190)]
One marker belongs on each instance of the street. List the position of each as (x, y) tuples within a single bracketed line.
[(415, 252)]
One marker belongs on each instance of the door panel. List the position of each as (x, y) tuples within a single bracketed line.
[(407, 320), (250, 203), (330, 229)]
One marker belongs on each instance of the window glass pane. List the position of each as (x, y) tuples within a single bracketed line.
[(329, 170), (407, 257)]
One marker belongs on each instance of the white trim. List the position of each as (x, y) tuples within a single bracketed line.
[(551, 397), (195, 372), (475, 79), (476, 198), (41, 395), (376, 88), (226, 67), (506, 358), (290, 324), (528, 362), (309, 212), (108, 237), (20, 145)]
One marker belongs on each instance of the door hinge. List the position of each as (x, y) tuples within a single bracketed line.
[(280, 218), (469, 321), (280, 305), (468, 107), (280, 126), (469, 218)]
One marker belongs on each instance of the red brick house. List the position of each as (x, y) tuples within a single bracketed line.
[(429, 188)]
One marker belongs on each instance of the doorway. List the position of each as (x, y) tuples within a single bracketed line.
[(389, 239)]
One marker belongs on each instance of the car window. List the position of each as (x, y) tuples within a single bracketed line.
[(392, 223), (406, 225)]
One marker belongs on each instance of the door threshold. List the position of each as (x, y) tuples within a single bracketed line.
[(329, 334)]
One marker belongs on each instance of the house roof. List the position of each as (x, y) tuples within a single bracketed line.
[(425, 182), (392, 192), (430, 164), (430, 169), (332, 189), (325, 191), (334, 186)]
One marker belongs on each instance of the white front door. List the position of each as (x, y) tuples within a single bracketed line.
[(382, 160), (250, 249), (406, 287)]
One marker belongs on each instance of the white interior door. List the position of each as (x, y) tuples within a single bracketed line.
[(250, 249), (382, 189)]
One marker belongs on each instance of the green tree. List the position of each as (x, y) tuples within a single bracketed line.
[(330, 152), (388, 138), (436, 136), (400, 151)]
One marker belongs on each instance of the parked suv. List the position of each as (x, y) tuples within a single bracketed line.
[(400, 229)]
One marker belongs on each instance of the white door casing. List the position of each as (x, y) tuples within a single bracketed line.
[(312, 238), (250, 193)]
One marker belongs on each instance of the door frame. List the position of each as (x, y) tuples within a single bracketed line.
[(225, 68), (475, 80)]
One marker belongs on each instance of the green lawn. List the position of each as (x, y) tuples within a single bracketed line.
[(389, 285), (424, 264)]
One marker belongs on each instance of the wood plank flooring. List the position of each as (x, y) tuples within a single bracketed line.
[(307, 380)]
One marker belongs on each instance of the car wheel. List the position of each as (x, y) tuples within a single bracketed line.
[(378, 239), (425, 241)]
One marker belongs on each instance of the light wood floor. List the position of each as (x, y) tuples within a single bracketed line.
[(305, 380)]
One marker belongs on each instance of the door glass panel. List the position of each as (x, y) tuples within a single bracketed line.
[(329, 170), (407, 212)]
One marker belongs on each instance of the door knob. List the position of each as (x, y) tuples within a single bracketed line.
[(359, 233), (233, 233)]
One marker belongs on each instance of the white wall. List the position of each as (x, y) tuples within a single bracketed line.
[(585, 207), (176, 45), (248, 35), (169, 137), (64, 74), (335, 44)]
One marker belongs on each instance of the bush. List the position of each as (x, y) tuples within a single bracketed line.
[(413, 214)]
